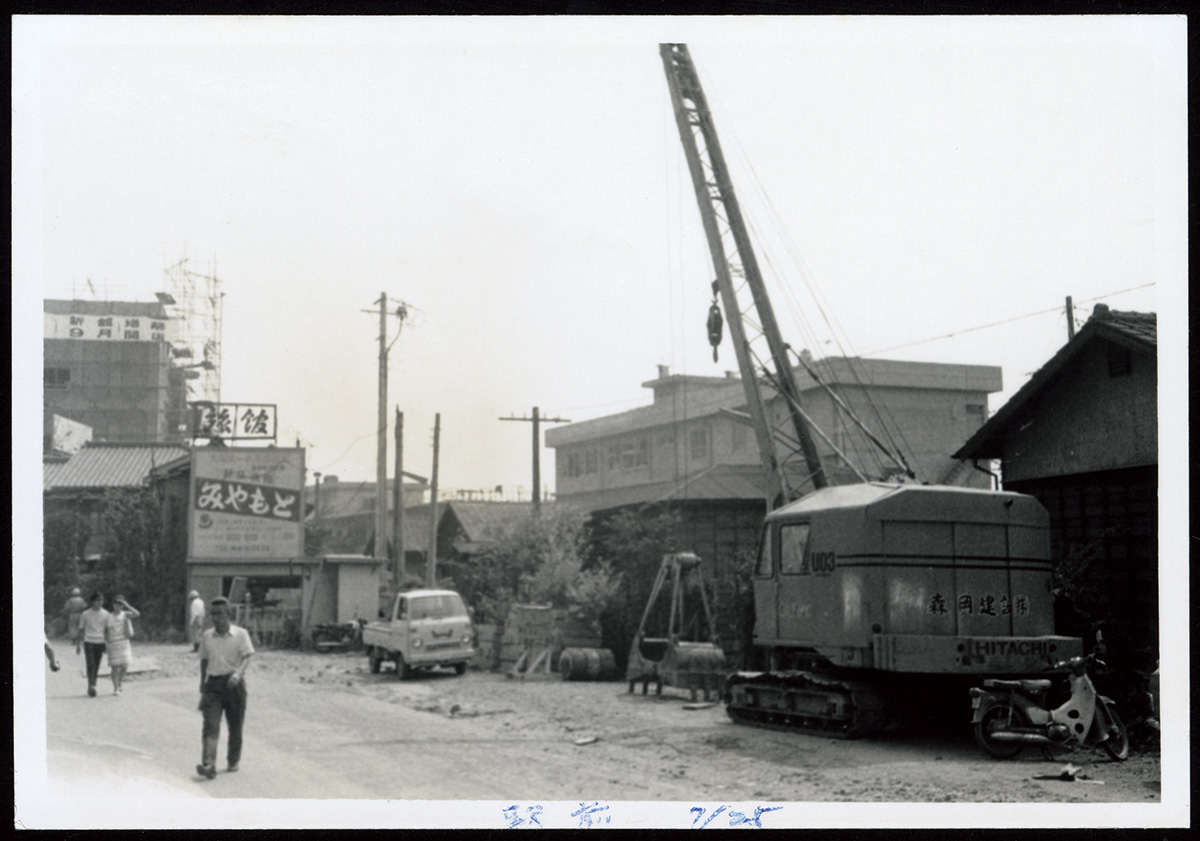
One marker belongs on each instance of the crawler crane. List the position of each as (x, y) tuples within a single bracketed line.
[(862, 592)]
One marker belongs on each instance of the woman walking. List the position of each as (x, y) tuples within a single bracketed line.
[(118, 631)]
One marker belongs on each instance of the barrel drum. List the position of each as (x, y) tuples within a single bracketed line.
[(587, 664)]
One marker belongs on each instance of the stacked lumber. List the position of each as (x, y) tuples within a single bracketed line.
[(531, 630)]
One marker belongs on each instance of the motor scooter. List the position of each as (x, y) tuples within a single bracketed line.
[(1010, 715)]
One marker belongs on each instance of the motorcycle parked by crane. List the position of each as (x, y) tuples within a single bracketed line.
[(1010, 715)]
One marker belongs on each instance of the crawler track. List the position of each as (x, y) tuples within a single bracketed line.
[(805, 702)]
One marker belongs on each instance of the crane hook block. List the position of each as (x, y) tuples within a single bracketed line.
[(715, 326)]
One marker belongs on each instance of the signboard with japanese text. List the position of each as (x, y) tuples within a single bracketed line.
[(235, 421), (115, 328), (246, 504)]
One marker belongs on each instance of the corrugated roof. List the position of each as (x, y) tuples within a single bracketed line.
[(1135, 330), (110, 465), (50, 471)]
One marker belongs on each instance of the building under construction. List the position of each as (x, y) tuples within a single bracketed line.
[(130, 370)]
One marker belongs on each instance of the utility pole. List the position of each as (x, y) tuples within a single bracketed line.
[(1070, 319), (537, 451), (381, 440), (317, 496), (381, 522), (398, 510), (431, 555)]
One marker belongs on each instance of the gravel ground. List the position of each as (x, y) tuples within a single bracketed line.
[(659, 738)]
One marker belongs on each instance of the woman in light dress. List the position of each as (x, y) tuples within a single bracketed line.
[(117, 634)]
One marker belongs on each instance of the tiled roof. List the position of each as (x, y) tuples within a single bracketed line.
[(1138, 327), (362, 523), (479, 519), (1135, 330), (109, 465)]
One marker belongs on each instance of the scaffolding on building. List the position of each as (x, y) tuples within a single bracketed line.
[(195, 303)]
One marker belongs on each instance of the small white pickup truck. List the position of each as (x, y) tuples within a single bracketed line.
[(426, 628)]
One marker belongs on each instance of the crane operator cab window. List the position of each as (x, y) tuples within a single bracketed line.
[(763, 568), (793, 541)]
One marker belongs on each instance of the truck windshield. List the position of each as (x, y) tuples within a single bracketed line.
[(436, 607)]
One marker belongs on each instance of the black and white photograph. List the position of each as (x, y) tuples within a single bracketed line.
[(600, 422)]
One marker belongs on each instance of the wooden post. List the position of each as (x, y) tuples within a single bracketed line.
[(431, 554), (398, 503)]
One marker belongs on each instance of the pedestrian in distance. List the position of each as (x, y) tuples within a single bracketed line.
[(225, 651), (73, 609), (91, 634), (195, 619), (118, 631)]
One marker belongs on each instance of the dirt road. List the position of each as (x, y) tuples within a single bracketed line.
[(321, 727)]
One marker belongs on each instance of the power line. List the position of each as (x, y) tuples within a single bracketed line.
[(1005, 321)]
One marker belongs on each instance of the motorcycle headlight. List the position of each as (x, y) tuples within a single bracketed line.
[(418, 642)]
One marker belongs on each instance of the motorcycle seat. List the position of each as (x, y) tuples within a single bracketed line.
[(1031, 686)]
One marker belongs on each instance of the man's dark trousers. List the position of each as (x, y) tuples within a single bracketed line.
[(222, 697), (93, 653)]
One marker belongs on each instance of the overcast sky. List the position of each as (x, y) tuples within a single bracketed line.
[(522, 187), (520, 184)]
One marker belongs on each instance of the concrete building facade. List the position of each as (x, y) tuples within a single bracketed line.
[(690, 443), (108, 365)]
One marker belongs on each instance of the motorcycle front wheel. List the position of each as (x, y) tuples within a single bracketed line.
[(999, 717), (1117, 743)]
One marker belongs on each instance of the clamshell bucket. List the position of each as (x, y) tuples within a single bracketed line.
[(672, 658)]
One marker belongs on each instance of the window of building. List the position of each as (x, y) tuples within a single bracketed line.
[(591, 461), (1120, 361), (574, 464), (635, 453), (698, 443), (610, 456), (976, 410), (793, 541), (56, 377)]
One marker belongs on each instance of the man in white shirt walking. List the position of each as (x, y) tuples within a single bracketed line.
[(91, 633), (225, 651)]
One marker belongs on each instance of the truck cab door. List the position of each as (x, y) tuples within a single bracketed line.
[(400, 624)]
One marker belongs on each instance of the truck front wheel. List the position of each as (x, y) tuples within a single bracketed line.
[(402, 669), (375, 659)]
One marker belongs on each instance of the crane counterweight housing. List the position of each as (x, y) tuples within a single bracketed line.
[(871, 594), (910, 578)]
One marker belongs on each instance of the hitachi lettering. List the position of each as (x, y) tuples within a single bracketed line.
[(1008, 648)]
